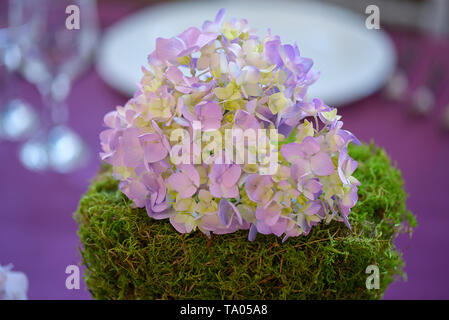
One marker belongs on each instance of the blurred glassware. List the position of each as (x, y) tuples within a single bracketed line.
[(18, 119), (423, 97), (57, 56), (423, 101), (357, 60), (434, 22), (397, 85), (434, 17)]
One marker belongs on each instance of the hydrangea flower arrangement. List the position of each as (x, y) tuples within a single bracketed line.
[(203, 83)]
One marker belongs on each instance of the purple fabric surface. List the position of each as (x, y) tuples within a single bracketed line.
[(38, 234)]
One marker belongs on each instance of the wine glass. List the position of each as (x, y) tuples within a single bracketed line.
[(58, 54), (18, 119)]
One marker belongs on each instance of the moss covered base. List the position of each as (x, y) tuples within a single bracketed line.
[(131, 256)]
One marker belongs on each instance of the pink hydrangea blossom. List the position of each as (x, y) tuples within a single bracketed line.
[(223, 76)]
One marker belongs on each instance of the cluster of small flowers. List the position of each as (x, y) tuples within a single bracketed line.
[(224, 76)]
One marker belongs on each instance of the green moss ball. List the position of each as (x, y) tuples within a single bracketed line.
[(131, 256)]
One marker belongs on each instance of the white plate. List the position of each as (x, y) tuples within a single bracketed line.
[(354, 61)]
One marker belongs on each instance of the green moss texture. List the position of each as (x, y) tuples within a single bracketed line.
[(131, 256)]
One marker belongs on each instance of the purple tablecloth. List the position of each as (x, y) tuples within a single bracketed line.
[(38, 234)]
